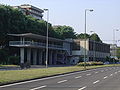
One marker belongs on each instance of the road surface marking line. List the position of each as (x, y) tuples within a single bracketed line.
[(38, 87), (96, 72), (118, 71), (111, 74), (62, 81), (115, 72), (78, 77), (105, 77), (88, 74), (82, 88), (96, 81), (102, 70)]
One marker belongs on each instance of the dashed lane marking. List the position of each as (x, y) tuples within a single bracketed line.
[(62, 81), (96, 81), (39, 87), (78, 77), (82, 88), (105, 77)]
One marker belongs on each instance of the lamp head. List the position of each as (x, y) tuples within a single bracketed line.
[(45, 9), (91, 10)]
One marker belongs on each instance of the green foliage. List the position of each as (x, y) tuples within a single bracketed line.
[(14, 60), (91, 37), (118, 52), (95, 37), (82, 36), (3, 56), (13, 21), (64, 32), (90, 63)]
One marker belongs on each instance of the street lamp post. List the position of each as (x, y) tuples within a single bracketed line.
[(93, 45), (114, 45), (85, 37), (46, 61)]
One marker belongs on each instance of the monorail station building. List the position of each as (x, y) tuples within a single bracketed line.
[(32, 49)]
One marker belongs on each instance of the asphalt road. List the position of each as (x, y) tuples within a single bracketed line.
[(107, 78)]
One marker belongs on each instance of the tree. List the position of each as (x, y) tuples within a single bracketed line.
[(95, 37), (64, 31), (82, 36), (118, 52)]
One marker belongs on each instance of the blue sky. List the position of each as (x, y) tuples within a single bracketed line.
[(104, 19)]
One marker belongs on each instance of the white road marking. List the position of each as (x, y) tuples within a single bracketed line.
[(62, 81), (82, 88), (96, 72), (102, 70), (78, 77), (111, 74), (118, 71), (39, 87), (88, 74), (105, 77), (115, 72), (96, 81)]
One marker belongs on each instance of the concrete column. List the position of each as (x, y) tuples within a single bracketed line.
[(63, 58), (55, 58), (40, 57), (34, 56), (21, 55), (29, 55), (50, 57)]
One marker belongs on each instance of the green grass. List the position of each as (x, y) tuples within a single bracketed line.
[(8, 65), (18, 75)]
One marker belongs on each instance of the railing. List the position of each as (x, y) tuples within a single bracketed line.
[(30, 43)]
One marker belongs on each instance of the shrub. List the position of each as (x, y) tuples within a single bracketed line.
[(90, 63), (14, 60)]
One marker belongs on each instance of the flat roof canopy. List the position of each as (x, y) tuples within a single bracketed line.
[(36, 36)]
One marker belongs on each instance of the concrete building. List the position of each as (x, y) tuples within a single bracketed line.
[(32, 49), (30, 10), (93, 49)]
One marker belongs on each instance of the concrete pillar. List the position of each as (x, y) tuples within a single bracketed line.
[(63, 58), (55, 58), (40, 57), (28, 55), (21, 55), (50, 57), (35, 57)]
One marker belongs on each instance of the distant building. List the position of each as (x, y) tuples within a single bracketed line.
[(30, 10), (113, 51), (93, 49)]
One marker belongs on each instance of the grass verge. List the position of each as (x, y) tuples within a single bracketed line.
[(19, 75)]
